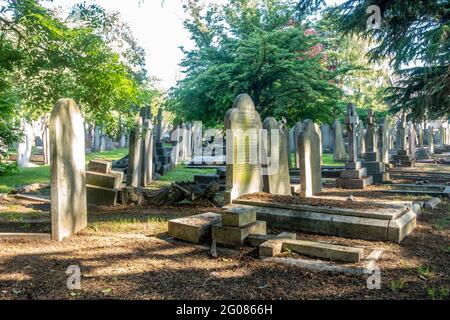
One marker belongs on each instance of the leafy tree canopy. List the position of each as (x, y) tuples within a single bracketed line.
[(260, 48), (415, 37)]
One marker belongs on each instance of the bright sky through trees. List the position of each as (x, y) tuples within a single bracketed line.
[(158, 29)]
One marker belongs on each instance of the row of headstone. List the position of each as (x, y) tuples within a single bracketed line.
[(140, 157), (257, 153)]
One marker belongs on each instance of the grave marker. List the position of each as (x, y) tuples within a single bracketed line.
[(275, 166), (68, 179), (309, 145), (243, 125)]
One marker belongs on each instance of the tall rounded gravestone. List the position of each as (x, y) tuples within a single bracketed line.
[(68, 178), (243, 125)]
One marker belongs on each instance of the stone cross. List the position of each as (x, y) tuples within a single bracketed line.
[(351, 120)]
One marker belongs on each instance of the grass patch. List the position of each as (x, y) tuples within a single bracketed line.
[(155, 224), (327, 160), (41, 174), (397, 285), (182, 173), (442, 223), (441, 293)]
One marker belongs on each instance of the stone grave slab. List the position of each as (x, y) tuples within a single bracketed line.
[(390, 224)]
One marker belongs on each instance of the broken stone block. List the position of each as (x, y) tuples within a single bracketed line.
[(105, 180), (255, 240), (100, 166), (271, 248), (194, 229), (432, 203), (101, 196), (238, 217), (323, 250), (234, 236)]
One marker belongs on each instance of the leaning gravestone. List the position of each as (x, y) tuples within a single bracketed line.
[(68, 179), (275, 166), (309, 145), (243, 125), (412, 140), (339, 153)]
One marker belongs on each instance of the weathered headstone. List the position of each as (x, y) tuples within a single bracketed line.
[(412, 141), (385, 141), (360, 139), (309, 145), (327, 138), (297, 130), (46, 143), (430, 140), (372, 163), (134, 156), (147, 154), (25, 147), (68, 179), (243, 125), (354, 177), (275, 168), (403, 157), (339, 153), (158, 128)]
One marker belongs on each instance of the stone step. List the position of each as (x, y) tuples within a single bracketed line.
[(255, 240), (234, 236), (323, 250), (100, 166), (111, 180), (101, 196), (238, 217)]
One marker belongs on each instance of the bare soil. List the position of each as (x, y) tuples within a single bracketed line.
[(125, 253)]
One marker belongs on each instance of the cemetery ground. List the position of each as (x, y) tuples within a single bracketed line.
[(126, 253)]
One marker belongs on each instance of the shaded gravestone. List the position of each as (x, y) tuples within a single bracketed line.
[(97, 138), (339, 153), (176, 137), (243, 125), (403, 157), (442, 135), (419, 131), (360, 140), (197, 140), (292, 148), (134, 155), (158, 128), (412, 141), (297, 130), (275, 168), (46, 143), (430, 140), (372, 163), (25, 146), (147, 154), (355, 176), (309, 146), (385, 141), (327, 138), (68, 178)]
